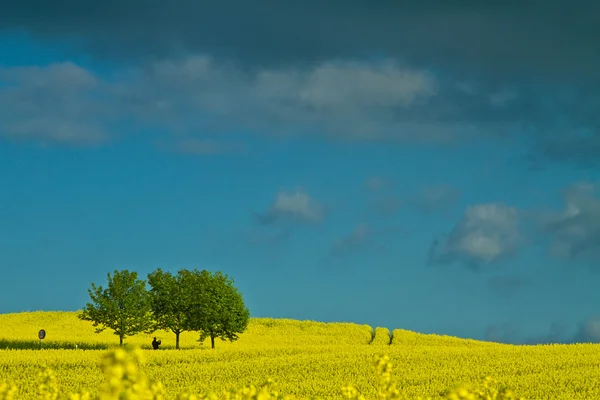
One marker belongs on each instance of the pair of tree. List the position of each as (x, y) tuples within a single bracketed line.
[(189, 301)]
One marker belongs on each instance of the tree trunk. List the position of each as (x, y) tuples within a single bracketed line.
[(212, 342), (177, 340), (120, 340)]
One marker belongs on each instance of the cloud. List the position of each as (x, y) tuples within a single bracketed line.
[(369, 100), (353, 241), (575, 232), (58, 103), (511, 40), (432, 71), (486, 233), (343, 100), (296, 206), (435, 197)]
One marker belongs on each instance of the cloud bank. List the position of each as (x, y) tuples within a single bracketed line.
[(505, 40), (429, 71)]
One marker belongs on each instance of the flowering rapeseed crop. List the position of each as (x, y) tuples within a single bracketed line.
[(304, 358)]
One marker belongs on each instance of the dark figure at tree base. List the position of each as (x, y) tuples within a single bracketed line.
[(156, 343)]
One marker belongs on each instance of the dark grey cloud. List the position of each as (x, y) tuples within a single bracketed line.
[(362, 70), (486, 234), (505, 39)]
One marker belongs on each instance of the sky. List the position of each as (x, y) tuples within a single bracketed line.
[(431, 166)]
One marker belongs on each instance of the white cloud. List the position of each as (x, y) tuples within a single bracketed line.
[(296, 206), (485, 234), (356, 86), (65, 102), (342, 98), (58, 103)]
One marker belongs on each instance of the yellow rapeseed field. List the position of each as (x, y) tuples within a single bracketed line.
[(382, 337), (304, 358)]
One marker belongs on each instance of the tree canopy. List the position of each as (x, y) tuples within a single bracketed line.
[(124, 306), (198, 301), (217, 307), (170, 298)]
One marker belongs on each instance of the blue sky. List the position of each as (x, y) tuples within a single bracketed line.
[(427, 168)]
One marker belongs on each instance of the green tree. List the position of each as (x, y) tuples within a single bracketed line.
[(124, 306), (170, 297), (217, 307)]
